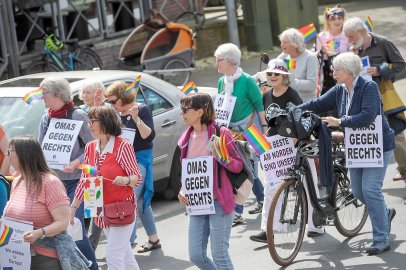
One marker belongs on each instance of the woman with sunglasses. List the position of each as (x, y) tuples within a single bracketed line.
[(330, 42), (139, 131)]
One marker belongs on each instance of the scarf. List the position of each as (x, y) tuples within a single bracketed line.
[(229, 85), (62, 112)]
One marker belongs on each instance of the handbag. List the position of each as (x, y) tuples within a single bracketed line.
[(119, 213)]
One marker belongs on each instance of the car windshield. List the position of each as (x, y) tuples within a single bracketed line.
[(20, 119)]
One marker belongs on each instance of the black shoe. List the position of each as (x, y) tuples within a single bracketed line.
[(261, 237), (314, 234), (391, 215), (238, 219), (257, 209)]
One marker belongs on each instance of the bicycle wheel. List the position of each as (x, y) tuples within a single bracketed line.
[(42, 66), (87, 59), (286, 222), (178, 77), (350, 214)]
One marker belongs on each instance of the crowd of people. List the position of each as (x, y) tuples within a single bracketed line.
[(116, 138)]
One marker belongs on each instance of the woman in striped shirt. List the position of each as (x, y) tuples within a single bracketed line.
[(115, 161)]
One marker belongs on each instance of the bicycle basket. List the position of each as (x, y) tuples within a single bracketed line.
[(53, 43), (309, 148)]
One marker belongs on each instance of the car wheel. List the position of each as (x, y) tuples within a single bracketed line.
[(174, 177)]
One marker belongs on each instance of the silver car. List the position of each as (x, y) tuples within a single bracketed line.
[(163, 99)]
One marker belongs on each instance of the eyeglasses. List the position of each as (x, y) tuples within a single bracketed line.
[(273, 73), (45, 92), (9, 151), (91, 121), (185, 109), (112, 102), (219, 60)]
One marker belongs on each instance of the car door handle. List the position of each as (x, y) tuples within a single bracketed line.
[(168, 123)]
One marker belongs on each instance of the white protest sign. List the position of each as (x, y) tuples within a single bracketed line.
[(128, 134), (93, 196), (224, 109), (197, 185), (16, 254), (364, 146), (276, 161), (59, 141), (365, 65)]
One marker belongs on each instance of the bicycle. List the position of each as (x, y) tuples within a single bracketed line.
[(288, 211), (53, 59)]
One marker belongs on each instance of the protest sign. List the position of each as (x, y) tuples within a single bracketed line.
[(197, 185), (93, 196), (224, 106), (365, 64), (128, 134), (59, 141)]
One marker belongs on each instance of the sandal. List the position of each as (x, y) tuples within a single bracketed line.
[(148, 246)]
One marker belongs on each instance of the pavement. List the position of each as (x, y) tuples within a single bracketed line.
[(330, 251)]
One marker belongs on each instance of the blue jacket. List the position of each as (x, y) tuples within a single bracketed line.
[(365, 106)]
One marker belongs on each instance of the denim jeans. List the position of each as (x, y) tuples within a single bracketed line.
[(146, 215), (84, 244), (216, 226), (366, 184), (257, 188)]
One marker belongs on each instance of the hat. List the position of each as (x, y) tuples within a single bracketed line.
[(279, 66)]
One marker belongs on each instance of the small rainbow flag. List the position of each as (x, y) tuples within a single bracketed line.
[(88, 169), (5, 235), (135, 84), (333, 45), (189, 87), (256, 139), (369, 24), (33, 95), (290, 63), (221, 151), (309, 32)]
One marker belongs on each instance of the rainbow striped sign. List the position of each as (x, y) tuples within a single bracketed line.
[(135, 84), (257, 140), (88, 169), (290, 63), (189, 87), (33, 95), (308, 31), (369, 24), (333, 45), (5, 235)]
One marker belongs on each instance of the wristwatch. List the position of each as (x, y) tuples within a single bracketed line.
[(43, 233)]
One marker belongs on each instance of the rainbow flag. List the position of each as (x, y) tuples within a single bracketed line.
[(257, 140), (5, 235), (308, 31), (290, 63), (88, 169), (223, 148), (33, 95), (333, 45), (135, 84), (189, 87), (369, 24)]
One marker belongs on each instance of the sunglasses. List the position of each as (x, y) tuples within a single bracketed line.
[(273, 73), (9, 151), (112, 102), (335, 12)]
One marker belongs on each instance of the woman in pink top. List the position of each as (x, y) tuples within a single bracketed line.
[(37, 196), (198, 113)]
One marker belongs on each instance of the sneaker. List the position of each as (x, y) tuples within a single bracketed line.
[(315, 233), (238, 219), (391, 215), (378, 247), (400, 176), (257, 209), (261, 237)]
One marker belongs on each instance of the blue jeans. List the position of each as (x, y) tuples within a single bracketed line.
[(366, 184), (146, 215), (84, 244), (218, 227), (257, 188)]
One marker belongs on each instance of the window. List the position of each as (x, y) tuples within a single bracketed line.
[(157, 104)]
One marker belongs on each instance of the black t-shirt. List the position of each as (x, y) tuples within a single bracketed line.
[(145, 115), (289, 96)]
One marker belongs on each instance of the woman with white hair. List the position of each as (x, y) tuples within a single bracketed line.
[(92, 94), (358, 103), (58, 100), (307, 65)]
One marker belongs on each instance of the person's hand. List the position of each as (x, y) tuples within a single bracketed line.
[(182, 198), (331, 121), (373, 71), (134, 112), (71, 167), (32, 236), (121, 181)]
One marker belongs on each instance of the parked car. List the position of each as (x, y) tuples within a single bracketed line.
[(163, 99)]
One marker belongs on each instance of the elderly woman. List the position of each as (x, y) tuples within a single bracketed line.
[(307, 65), (358, 102), (114, 159), (248, 107), (57, 98), (92, 94)]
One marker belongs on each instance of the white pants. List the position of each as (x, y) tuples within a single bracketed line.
[(268, 198), (119, 254)]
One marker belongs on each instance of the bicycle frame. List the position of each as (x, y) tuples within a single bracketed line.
[(58, 59)]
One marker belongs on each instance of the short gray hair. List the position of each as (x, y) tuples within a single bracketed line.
[(92, 85), (58, 87), (286, 80), (353, 25), (294, 37), (229, 51), (348, 62)]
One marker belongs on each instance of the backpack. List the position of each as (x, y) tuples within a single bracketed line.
[(243, 181)]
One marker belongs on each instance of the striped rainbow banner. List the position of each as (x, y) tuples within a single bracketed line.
[(290, 63), (33, 95), (369, 24), (257, 140), (333, 45), (308, 31), (135, 84), (5, 235), (189, 87)]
